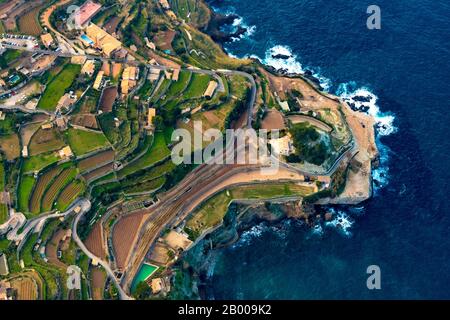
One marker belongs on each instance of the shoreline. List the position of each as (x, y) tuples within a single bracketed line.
[(322, 211)]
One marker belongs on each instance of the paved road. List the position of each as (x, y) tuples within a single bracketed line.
[(104, 264)]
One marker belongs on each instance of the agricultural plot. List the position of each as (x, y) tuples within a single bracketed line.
[(42, 184), (99, 172), (70, 193), (108, 98), (10, 146), (177, 87), (84, 141), (25, 287), (98, 278), (94, 241), (29, 23), (85, 120), (39, 162), (157, 152), (24, 192), (45, 140), (58, 86), (58, 184), (197, 86), (124, 233), (3, 213), (96, 161)]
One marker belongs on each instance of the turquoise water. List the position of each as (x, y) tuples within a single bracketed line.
[(145, 271)]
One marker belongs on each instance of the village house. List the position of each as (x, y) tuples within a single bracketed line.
[(98, 80), (209, 92), (65, 153), (47, 39)]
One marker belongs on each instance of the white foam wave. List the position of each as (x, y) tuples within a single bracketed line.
[(363, 99), (248, 235), (342, 222), (290, 64)]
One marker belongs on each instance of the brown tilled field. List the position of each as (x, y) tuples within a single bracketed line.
[(94, 241), (10, 146), (273, 120), (26, 288), (111, 25), (29, 22), (51, 249), (98, 172), (96, 160), (41, 186), (44, 141), (108, 97), (124, 234), (98, 278), (54, 189), (85, 120)]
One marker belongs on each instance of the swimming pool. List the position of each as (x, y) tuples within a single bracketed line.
[(85, 38), (144, 273)]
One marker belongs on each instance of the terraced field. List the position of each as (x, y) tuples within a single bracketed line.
[(42, 184), (72, 191), (96, 160), (58, 184)]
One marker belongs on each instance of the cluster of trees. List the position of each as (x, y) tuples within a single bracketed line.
[(308, 145)]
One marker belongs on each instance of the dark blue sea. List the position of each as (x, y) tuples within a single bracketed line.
[(404, 69)]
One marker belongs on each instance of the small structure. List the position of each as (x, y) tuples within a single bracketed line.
[(153, 74), (284, 106), (98, 80), (177, 241), (150, 116), (65, 153), (102, 40), (88, 68), (66, 101), (85, 13), (2, 115), (47, 126), (165, 4), (5, 290), (61, 123), (176, 74), (282, 146), (78, 60), (4, 270), (47, 39), (32, 104), (25, 151), (212, 86)]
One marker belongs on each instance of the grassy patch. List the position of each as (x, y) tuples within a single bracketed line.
[(177, 87), (197, 86), (3, 213), (57, 87), (39, 162), (157, 152), (82, 141), (24, 192)]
